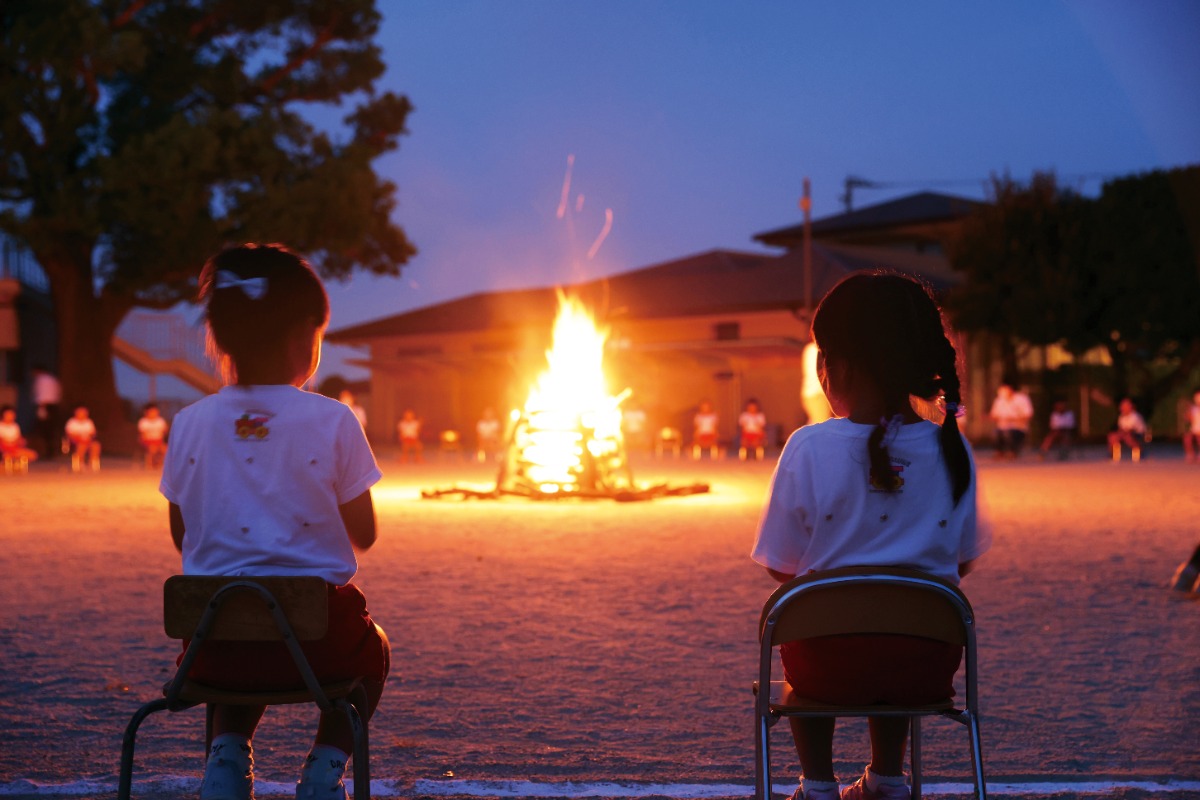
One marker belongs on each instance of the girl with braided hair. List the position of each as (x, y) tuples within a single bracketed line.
[(877, 485)]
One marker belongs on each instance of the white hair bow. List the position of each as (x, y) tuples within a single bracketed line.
[(254, 288)]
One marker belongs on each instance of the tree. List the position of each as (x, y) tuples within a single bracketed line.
[(1144, 258), (1022, 257), (137, 137), (1122, 272)]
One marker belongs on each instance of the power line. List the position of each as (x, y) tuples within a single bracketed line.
[(853, 182)]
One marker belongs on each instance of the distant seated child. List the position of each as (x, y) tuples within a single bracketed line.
[(1130, 431), (152, 435), (12, 443), (1062, 430), (704, 431), (752, 426), (409, 430), (81, 437)]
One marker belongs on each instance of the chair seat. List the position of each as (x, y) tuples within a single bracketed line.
[(193, 693), (785, 701)]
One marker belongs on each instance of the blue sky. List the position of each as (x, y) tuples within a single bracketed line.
[(695, 121)]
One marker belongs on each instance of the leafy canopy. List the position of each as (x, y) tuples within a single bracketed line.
[(137, 137)]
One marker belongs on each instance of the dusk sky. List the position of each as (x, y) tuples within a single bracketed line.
[(695, 121)]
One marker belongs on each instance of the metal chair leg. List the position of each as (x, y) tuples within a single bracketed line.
[(762, 766), (914, 737), (977, 756), (128, 741), (355, 706)]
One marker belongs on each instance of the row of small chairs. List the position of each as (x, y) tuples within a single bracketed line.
[(852, 600)]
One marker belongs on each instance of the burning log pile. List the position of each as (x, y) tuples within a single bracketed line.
[(567, 441)]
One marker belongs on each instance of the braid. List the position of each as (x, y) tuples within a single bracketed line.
[(881, 474), (958, 463)]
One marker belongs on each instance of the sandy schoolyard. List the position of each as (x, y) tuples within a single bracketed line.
[(573, 643)]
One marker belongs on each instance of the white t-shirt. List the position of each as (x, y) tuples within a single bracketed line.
[(46, 389), (1062, 420), (1194, 418), (822, 511), (258, 473), (752, 422), (1012, 413), (152, 429), (80, 429), (706, 423), (10, 433), (1131, 423)]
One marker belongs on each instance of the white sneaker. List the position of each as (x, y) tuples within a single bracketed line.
[(321, 778), (229, 770)]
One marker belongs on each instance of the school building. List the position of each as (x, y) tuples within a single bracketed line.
[(721, 325)]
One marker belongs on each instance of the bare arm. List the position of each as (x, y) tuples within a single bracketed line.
[(176, 517), (359, 518)]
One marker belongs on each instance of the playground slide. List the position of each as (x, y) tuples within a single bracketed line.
[(186, 371)]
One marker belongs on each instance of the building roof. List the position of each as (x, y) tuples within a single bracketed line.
[(919, 208), (710, 283)]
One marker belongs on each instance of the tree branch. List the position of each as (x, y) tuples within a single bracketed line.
[(128, 14), (323, 38)]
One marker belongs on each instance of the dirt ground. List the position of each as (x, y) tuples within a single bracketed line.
[(600, 641)]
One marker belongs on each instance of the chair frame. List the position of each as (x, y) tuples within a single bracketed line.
[(287, 609), (865, 600)]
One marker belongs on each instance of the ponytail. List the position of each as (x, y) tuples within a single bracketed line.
[(958, 462)]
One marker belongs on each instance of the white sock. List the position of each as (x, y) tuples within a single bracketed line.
[(806, 784), (874, 780)]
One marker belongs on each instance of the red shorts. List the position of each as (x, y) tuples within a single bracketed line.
[(354, 646), (869, 669), (752, 439), (706, 440)]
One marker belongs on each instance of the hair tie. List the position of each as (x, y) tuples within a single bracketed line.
[(956, 410), (254, 288), (891, 427)]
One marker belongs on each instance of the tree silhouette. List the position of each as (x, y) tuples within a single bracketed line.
[(1122, 272), (139, 137)]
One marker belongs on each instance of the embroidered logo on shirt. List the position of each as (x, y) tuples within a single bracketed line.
[(252, 425)]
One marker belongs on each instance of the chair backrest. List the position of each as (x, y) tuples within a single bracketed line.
[(246, 607), (867, 600)]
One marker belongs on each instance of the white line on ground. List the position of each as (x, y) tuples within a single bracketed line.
[(563, 789)]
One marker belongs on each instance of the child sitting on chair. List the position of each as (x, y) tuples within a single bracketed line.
[(152, 435), (264, 478), (13, 446), (875, 486), (80, 431)]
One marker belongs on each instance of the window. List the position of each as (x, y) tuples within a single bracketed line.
[(727, 331)]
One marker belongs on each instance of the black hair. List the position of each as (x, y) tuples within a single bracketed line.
[(4, 409), (889, 326), (255, 295)]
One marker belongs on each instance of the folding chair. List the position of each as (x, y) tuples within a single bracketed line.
[(864, 600), (287, 609)]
